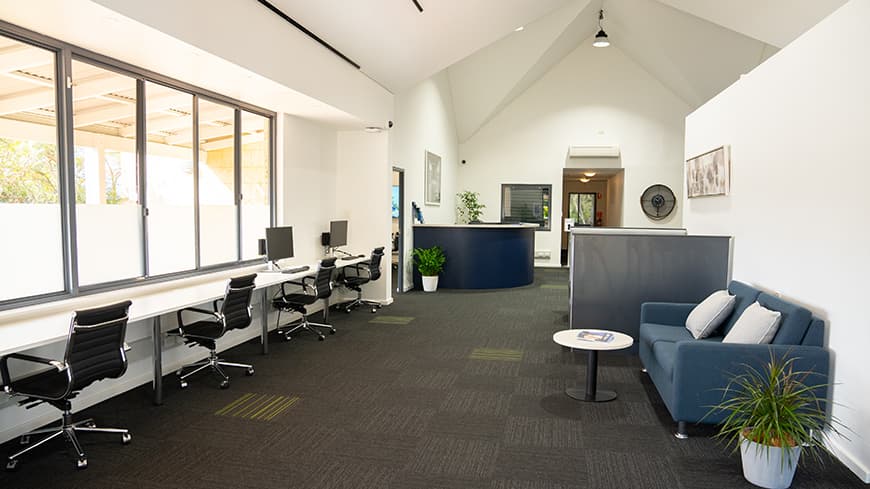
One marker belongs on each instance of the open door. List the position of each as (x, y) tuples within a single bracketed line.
[(397, 257)]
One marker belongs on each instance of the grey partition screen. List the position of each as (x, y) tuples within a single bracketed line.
[(612, 275)]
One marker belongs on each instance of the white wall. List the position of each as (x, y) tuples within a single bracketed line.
[(801, 117), (592, 97), (424, 121), (363, 184)]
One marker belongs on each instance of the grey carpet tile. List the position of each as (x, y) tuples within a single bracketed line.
[(454, 457), (480, 402), (556, 465), (543, 432), (622, 469), (403, 407), (465, 425)]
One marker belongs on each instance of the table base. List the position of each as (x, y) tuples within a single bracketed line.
[(581, 395)]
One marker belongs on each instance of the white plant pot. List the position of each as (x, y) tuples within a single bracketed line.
[(764, 466), (430, 284)]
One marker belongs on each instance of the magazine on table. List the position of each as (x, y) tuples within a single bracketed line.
[(599, 336)]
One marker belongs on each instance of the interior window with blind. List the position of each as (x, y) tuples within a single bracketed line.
[(526, 203)]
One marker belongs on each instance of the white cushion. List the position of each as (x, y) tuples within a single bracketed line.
[(709, 314), (757, 325)]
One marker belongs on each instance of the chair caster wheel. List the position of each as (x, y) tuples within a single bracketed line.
[(82, 463), (12, 465), (321, 338), (331, 331), (91, 424), (183, 384), (288, 338), (249, 372), (347, 311), (374, 310), (125, 438), (25, 440), (225, 384)]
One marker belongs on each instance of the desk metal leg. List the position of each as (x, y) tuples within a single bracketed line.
[(157, 337), (591, 393), (264, 335), (326, 310)]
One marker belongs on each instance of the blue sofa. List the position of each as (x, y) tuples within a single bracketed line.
[(689, 374)]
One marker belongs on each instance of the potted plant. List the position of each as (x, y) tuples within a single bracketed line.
[(430, 262), (468, 207), (772, 416)]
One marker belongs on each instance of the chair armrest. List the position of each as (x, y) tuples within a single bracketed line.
[(206, 312), (4, 366), (667, 313), (702, 370)]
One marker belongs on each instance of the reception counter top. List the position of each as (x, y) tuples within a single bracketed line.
[(481, 256)]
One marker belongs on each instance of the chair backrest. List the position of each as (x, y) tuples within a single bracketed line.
[(95, 346), (375, 263), (236, 307), (323, 281)]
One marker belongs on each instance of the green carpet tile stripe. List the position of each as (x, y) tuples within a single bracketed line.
[(555, 286), (498, 354), (263, 407), (392, 320)]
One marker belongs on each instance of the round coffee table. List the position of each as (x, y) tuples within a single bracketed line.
[(569, 338)]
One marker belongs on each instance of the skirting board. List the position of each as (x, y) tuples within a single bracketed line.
[(848, 460)]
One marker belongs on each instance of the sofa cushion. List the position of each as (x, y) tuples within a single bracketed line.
[(710, 313), (757, 325), (652, 333), (794, 323), (744, 295)]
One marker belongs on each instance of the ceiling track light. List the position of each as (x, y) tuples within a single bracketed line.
[(601, 40), (589, 173), (584, 179)]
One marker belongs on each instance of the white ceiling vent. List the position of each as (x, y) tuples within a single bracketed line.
[(593, 151)]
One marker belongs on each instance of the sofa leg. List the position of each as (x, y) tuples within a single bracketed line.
[(681, 433)]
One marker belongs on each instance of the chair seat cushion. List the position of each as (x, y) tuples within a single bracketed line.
[(48, 383), (352, 281), (295, 299), (665, 353), (651, 333)]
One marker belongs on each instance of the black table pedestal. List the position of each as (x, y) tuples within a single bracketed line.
[(591, 393)]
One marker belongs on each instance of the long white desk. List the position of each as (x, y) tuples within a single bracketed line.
[(27, 328)]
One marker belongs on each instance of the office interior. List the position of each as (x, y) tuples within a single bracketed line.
[(237, 101)]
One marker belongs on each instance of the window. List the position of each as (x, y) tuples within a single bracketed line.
[(256, 146), (217, 184), (169, 180), (155, 178), (31, 250), (526, 203), (581, 208), (108, 214)]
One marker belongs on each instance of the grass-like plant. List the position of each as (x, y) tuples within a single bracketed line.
[(430, 261), (776, 407)]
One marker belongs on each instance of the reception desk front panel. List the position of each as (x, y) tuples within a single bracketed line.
[(483, 256)]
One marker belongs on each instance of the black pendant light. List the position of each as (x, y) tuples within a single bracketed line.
[(601, 40)]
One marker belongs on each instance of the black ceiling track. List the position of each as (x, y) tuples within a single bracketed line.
[(417, 4), (310, 34)]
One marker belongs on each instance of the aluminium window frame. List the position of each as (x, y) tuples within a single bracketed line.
[(541, 186), (64, 54)]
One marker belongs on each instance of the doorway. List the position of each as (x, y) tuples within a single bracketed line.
[(590, 197), (397, 237)]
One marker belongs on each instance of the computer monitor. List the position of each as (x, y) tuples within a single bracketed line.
[(279, 243), (337, 233)]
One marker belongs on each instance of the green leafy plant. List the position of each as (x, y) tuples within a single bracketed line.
[(468, 207), (430, 261), (775, 407)]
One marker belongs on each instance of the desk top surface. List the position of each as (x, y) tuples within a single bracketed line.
[(479, 226), (34, 326)]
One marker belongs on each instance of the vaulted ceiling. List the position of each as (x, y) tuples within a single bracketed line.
[(695, 48)]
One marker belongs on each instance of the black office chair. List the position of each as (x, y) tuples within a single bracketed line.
[(362, 273), (320, 287), (233, 313), (95, 350)]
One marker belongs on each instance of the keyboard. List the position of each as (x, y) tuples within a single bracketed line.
[(352, 257), (296, 270)]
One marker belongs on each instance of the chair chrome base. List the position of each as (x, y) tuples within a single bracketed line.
[(68, 429), (214, 363), (306, 325), (359, 301)]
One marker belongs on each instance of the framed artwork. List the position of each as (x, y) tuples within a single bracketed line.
[(709, 173), (433, 179)]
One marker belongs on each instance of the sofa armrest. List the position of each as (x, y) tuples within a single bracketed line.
[(702, 370), (667, 313)]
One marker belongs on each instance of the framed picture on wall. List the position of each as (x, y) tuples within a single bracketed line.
[(709, 173), (433, 179)]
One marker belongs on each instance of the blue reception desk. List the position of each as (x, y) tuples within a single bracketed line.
[(481, 256)]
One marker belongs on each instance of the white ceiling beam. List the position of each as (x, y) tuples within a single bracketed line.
[(118, 111), (178, 122), (205, 132), (37, 98), (226, 143), (23, 57)]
